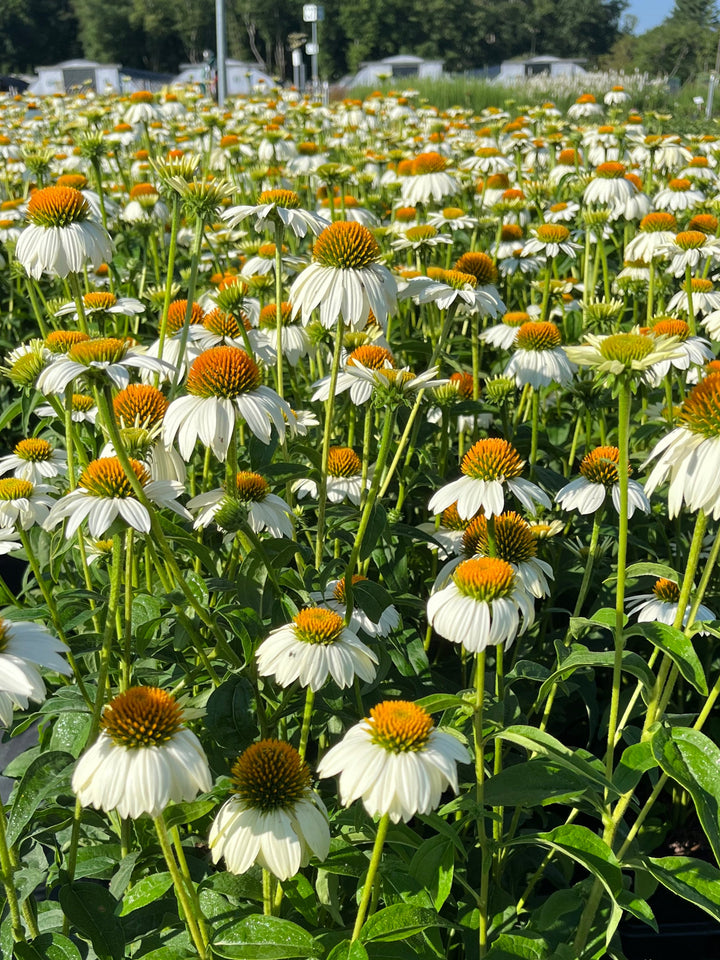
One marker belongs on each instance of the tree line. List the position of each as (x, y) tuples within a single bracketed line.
[(466, 34)]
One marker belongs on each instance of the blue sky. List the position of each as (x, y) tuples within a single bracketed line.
[(649, 13)]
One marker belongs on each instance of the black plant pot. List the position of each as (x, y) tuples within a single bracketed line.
[(684, 931)]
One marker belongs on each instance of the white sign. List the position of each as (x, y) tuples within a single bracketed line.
[(312, 49), (310, 12)]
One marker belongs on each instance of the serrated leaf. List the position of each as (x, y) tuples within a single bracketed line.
[(145, 891), (90, 908), (264, 938), (45, 777)]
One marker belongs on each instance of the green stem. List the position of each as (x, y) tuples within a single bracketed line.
[(327, 434), (624, 403), (368, 509), (79, 304), (6, 865), (172, 249), (185, 901), (306, 720), (380, 836), (279, 234), (688, 290), (194, 262)]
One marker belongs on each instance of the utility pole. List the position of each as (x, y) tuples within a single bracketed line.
[(312, 13), (220, 43)]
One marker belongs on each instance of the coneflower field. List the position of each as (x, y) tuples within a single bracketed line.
[(359, 521)]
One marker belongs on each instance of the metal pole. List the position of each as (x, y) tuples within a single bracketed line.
[(220, 42), (314, 57)]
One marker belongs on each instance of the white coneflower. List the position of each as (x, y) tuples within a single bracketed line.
[(316, 645), (503, 334), (515, 542), (248, 497), (610, 188), (690, 248), (277, 206), (452, 218), (599, 475), (539, 358), (549, 240), (689, 456), (679, 195), (145, 205), (622, 353), (705, 299), (143, 759), (24, 647), (344, 478), (108, 357), (428, 180), (334, 598), (481, 606), (61, 236), (104, 493), (423, 237), (662, 605), (345, 279), (102, 302), (223, 383), (584, 107), (488, 467), (275, 818), (655, 231), (35, 460), (616, 96), (367, 356), (396, 761), (691, 351), (23, 503)]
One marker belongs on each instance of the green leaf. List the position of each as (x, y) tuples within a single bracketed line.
[(301, 894), (432, 866), (230, 717), (537, 741), (580, 656), (123, 874), (179, 813), (509, 946), (374, 531), (650, 570), (533, 783), (437, 702), (347, 950), (90, 908), (70, 733), (145, 891), (636, 760), (691, 879), (46, 777), (585, 847), (678, 647), (9, 413), (604, 617), (693, 760), (48, 946), (398, 922), (264, 938)]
